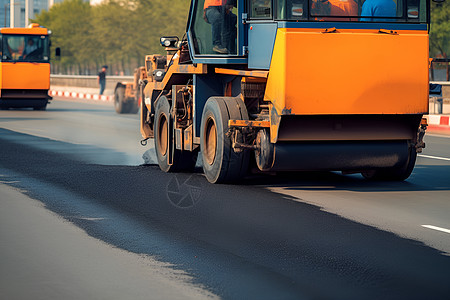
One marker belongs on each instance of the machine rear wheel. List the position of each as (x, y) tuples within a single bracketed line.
[(132, 107), (164, 142), (399, 173), (119, 98), (220, 162)]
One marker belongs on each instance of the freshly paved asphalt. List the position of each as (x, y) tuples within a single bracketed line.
[(295, 236)]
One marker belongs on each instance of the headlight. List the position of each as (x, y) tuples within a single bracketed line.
[(169, 41)]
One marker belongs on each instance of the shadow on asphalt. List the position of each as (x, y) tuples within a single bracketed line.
[(423, 178), (79, 152), (240, 241), (50, 109), (8, 119)]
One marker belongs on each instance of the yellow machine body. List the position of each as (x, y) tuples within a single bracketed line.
[(302, 90), (24, 76), (349, 72), (24, 82)]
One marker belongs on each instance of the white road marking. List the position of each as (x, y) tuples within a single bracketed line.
[(91, 219), (437, 228), (8, 182), (434, 157), (439, 135)]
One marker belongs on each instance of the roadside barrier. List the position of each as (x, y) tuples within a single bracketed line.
[(80, 95), (439, 120)]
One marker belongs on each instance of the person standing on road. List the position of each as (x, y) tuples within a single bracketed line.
[(378, 8), (102, 79)]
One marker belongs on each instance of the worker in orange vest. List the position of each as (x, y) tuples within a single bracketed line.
[(218, 14), (327, 9)]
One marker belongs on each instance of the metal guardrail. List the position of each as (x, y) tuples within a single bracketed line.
[(444, 83), (130, 78), (437, 104), (88, 81), (117, 78)]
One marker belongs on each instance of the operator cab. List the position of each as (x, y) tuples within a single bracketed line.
[(24, 47), (244, 31)]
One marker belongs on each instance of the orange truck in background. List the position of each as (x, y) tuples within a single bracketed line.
[(127, 94), (25, 67)]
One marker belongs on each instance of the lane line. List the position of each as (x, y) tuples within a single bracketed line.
[(434, 157), (438, 135), (437, 228)]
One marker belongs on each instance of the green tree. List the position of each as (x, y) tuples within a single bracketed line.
[(70, 22), (117, 32), (158, 19), (440, 29), (121, 32)]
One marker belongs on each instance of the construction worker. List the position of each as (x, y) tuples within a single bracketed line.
[(343, 8), (327, 9), (29, 48), (102, 79), (378, 8), (218, 14)]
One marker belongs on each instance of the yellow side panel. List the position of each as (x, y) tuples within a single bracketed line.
[(348, 73), (23, 75), (21, 30)]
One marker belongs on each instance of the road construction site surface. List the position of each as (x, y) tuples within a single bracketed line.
[(85, 213)]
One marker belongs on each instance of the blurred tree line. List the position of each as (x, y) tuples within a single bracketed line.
[(117, 33), (440, 29)]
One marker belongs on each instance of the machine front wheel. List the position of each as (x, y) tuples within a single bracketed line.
[(133, 107), (398, 173), (220, 162), (119, 98)]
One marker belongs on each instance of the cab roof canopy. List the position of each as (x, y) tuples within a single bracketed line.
[(33, 28)]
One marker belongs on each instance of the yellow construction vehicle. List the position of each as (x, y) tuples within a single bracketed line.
[(291, 85), (127, 94)]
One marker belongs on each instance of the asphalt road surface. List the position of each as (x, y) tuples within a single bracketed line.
[(292, 236)]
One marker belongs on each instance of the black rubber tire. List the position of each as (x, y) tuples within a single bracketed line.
[(132, 107), (40, 107), (119, 98), (220, 162), (182, 160), (238, 111), (399, 173)]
